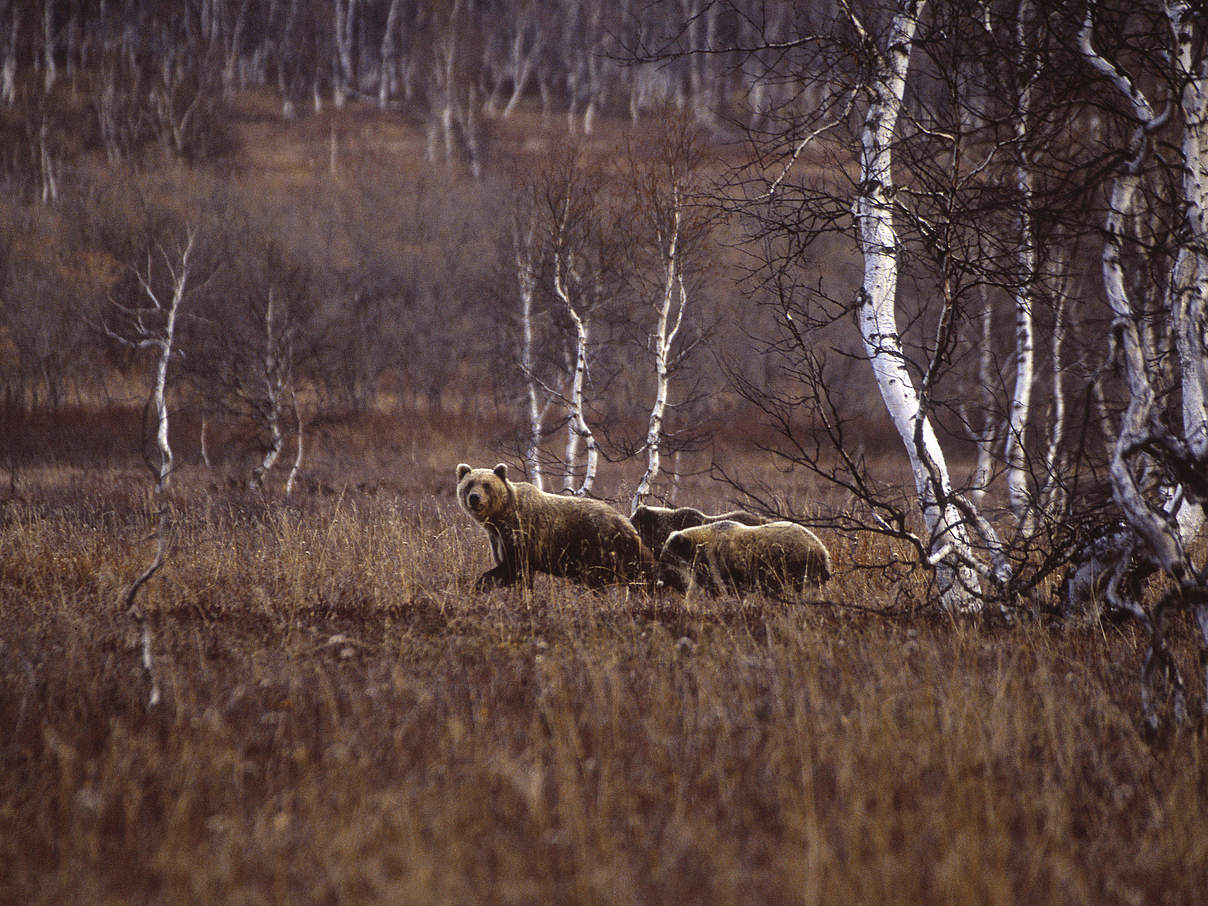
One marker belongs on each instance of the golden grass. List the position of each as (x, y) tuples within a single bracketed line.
[(345, 720)]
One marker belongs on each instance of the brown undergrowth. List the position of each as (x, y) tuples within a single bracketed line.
[(346, 720)]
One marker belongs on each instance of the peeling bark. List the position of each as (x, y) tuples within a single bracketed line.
[(526, 278), (670, 317), (577, 429), (137, 332), (948, 543), (1021, 401), (1164, 525)]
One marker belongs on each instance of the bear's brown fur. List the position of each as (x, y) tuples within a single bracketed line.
[(532, 531), (778, 557), (656, 523)]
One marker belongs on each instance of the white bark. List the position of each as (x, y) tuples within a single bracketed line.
[(1164, 544), (1021, 401), (49, 70), (983, 437), (670, 317), (444, 86), (296, 469), (274, 375), (1189, 313), (137, 332), (949, 544), (160, 393), (467, 121), (388, 76), (50, 182), (8, 68), (526, 277), (1167, 525), (205, 453), (523, 51), (344, 15), (1050, 495), (577, 429), (234, 40)]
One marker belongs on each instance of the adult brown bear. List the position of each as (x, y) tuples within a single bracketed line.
[(778, 557), (532, 531)]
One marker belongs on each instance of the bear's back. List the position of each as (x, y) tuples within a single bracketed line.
[(578, 536)]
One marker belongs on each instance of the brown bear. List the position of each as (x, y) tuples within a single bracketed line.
[(778, 557), (532, 531), (656, 523)]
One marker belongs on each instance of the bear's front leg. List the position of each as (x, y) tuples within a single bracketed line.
[(500, 577)]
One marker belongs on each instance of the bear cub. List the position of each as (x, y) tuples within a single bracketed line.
[(533, 531), (656, 523), (778, 557)]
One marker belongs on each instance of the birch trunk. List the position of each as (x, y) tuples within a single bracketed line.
[(1021, 401), (577, 429), (949, 544), (666, 330), (1052, 494), (1165, 540), (230, 67), (296, 469), (8, 68), (1167, 526), (388, 76), (1189, 309), (343, 72), (984, 437), (159, 395), (49, 70), (526, 277), (273, 377), (162, 339), (205, 453)]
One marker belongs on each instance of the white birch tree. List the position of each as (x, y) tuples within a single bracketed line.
[(344, 21), (389, 64), (948, 545), (1021, 401), (255, 348), (299, 449), (525, 259), (1163, 523), (670, 230), (276, 376), (670, 318), (571, 218), (578, 431), (525, 37), (8, 65), (153, 325)]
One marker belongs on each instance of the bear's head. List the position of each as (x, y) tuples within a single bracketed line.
[(656, 523), (646, 519), (483, 493), (679, 548)]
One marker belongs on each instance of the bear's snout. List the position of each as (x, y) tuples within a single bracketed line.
[(474, 500)]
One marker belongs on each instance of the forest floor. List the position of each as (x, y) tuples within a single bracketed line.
[(344, 719)]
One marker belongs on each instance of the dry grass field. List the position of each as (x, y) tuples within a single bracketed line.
[(344, 720)]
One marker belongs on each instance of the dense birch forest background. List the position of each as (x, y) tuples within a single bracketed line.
[(929, 278)]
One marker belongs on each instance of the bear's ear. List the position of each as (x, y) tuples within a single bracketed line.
[(502, 471), (462, 471)]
